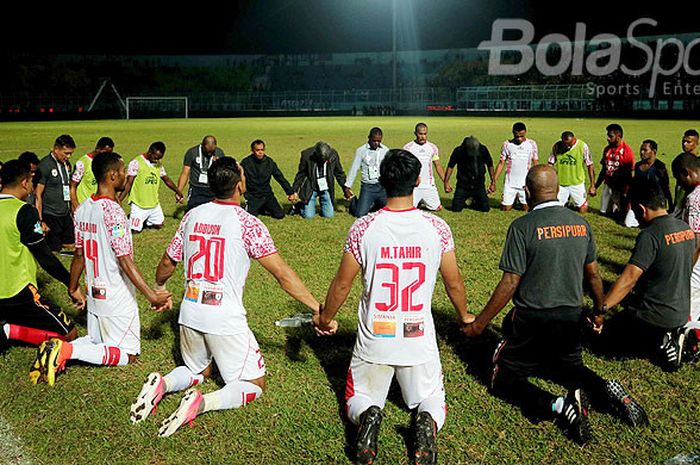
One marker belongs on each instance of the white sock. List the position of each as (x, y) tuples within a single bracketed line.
[(180, 379), (6, 330), (558, 405), (233, 395), (81, 340), (99, 354), (436, 407)]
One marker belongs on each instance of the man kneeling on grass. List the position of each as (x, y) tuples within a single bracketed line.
[(217, 241)]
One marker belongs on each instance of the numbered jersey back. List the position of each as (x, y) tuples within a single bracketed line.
[(102, 231), (215, 243), (400, 254)]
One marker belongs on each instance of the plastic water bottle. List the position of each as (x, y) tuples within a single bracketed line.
[(684, 459), (296, 321)]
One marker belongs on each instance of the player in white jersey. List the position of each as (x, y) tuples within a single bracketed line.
[(518, 155), (428, 155), (103, 248), (399, 250), (216, 242)]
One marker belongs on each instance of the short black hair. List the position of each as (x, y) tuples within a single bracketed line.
[(257, 142), (64, 141), (103, 163), (204, 141), (224, 174), (420, 125), (651, 143), (399, 172), (375, 131), (688, 162), (649, 195), (157, 147), (614, 127), (13, 172), (567, 134), (519, 126), (104, 142), (691, 133), (29, 158)]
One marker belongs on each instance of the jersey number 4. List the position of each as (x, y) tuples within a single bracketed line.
[(406, 293), (212, 251)]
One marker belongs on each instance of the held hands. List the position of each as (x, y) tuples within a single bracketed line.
[(44, 227), (179, 197), (595, 321), (161, 299), (470, 327), (592, 191), (293, 198), (492, 187), (348, 193), (78, 298), (448, 187), (323, 330)]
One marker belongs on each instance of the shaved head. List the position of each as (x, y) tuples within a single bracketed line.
[(542, 183)]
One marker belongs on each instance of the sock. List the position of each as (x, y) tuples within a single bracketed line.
[(180, 379), (233, 395), (356, 406), (29, 335), (558, 405), (99, 354), (436, 407)]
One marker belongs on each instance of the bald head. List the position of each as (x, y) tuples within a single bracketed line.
[(542, 183), (209, 144)]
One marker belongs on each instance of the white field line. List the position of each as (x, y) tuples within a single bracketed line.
[(11, 450)]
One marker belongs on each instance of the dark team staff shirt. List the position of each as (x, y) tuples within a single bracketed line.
[(258, 174), (548, 249), (656, 176), (54, 176), (664, 250), (199, 162), (471, 168)]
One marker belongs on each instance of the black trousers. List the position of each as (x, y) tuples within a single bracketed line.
[(480, 200), (257, 205), (198, 196), (544, 343)]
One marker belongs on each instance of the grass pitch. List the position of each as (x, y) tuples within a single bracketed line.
[(84, 418)]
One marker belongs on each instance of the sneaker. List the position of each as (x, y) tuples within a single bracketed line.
[(184, 415), (672, 348), (626, 407), (575, 416), (426, 440), (367, 432), (691, 351), (55, 360), (37, 370), (147, 401)]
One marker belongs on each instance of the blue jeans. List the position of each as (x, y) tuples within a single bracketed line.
[(370, 195), (309, 210)]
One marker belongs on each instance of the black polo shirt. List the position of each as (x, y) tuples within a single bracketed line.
[(471, 166), (199, 162), (548, 248), (664, 250)]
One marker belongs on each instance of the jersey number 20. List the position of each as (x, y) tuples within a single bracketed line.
[(212, 251)]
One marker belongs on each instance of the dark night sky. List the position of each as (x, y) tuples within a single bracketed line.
[(309, 26)]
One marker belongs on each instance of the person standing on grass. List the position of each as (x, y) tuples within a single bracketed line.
[(82, 182), (142, 182), (649, 173), (104, 250), (259, 168), (399, 251), (517, 156), (572, 159), (216, 241), (616, 173), (195, 168), (542, 333)]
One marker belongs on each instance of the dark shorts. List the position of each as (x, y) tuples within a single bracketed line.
[(198, 196), (61, 231), (29, 309)]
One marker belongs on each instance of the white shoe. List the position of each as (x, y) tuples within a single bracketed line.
[(147, 401), (185, 413)]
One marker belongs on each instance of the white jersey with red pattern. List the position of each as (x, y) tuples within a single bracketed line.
[(691, 215), (427, 153), (102, 231), (400, 254), (215, 242), (519, 158)]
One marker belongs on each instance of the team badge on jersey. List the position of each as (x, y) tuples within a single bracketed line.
[(54, 172)]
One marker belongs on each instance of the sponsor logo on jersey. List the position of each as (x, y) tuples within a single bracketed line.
[(118, 230), (37, 228)]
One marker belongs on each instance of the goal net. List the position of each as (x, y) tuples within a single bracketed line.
[(157, 107)]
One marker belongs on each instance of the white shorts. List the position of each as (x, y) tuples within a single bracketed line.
[(117, 331), (610, 201), (418, 383), (237, 357), (576, 193), (145, 216), (429, 196), (510, 193)]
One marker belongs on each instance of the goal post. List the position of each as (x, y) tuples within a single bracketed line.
[(157, 107)]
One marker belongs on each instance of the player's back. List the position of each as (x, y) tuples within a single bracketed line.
[(400, 254), (103, 233), (215, 242)]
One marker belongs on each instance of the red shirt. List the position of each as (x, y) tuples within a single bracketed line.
[(618, 164)]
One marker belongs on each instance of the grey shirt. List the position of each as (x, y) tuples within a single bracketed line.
[(199, 162), (55, 177)]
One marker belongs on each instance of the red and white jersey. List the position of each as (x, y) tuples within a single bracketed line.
[(519, 159), (215, 242), (133, 168), (691, 215), (400, 254), (102, 231), (427, 153)]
